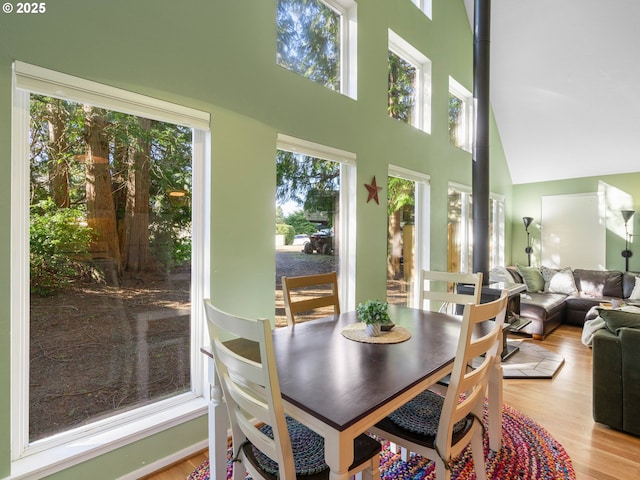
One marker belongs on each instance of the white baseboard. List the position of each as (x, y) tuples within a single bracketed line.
[(166, 461)]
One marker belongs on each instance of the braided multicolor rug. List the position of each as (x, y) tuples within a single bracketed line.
[(528, 452)]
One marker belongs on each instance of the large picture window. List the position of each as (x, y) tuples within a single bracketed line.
[(107, 234), (315, 216), (460, 230), (407, 233)]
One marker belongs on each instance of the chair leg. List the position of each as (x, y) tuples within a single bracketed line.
[(477, 451), (404, 454), (375, 468), (239, 471), (442, 473), (370, 473)]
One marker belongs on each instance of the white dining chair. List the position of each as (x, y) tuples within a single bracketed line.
[(261, 433), (310, 292), (439, 428), (438, 291)]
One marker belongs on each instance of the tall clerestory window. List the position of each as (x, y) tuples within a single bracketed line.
[(317, 40), (460, 229), (460, 116), (409, 84)]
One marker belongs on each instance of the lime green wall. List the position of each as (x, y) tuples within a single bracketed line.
[(527, 202), (219, 56)]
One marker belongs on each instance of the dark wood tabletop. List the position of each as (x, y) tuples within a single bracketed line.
[(340, 381)]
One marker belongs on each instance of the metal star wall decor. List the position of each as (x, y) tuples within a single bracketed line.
[(373, 189)]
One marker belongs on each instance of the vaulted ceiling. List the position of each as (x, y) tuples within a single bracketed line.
[(565, 86)]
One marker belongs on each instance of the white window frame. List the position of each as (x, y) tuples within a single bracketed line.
[(425, 6), (496, 254), (465, 126), (348, 12), (465, 233), (422, 215), (347, 217), (49, 455), (421, 116)]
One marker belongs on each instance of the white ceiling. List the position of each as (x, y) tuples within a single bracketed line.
[(565, 86)]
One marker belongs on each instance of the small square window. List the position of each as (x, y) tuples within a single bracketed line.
[(316, 39)]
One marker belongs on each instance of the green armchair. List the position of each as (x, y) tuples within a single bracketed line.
[(616, 379)]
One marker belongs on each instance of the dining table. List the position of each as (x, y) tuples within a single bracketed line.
[(340, 386)]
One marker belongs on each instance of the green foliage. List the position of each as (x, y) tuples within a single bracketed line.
[(169, 233), (400, 194), (297, 175), (373, 311), (402, 76), (308, 40), (456, 106), (300, 224), (57, 239), (170, 168), (286, 230)]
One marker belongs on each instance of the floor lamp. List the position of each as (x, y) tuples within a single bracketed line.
[(626, 253), (528, 250)]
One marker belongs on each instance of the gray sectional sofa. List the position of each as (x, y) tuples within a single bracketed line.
[(556, 296)]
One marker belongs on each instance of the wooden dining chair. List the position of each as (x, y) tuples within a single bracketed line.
[(309, 292), (440, 289), (261, 433), (439, 427)]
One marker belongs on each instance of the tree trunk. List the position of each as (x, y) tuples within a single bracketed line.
[(58, 149), (395, 246), (137, 254), (100, 209)]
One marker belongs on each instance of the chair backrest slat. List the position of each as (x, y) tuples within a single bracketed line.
[(298, 298), (469, 379), (251, 388), (441, 289)]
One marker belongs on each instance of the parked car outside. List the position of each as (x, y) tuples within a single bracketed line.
[(300, 239)]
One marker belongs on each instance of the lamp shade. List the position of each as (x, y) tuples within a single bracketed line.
[(627, 214), (527, 221)]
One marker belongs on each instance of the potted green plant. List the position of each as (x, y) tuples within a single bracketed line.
[(373, 313)]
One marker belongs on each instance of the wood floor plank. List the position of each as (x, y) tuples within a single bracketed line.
[(562, 405)]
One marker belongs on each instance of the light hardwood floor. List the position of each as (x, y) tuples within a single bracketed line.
[(561, 405)]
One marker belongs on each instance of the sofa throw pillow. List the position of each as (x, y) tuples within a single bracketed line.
[(617, 319), (635, 294), (532, 278), (559, 281), (547, 274), (500, 274)]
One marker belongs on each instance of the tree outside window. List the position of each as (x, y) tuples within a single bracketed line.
[(308, 40), (408, 84), (401, 227), (402, 86), (110, 261), (460, 116), (308, 209)]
